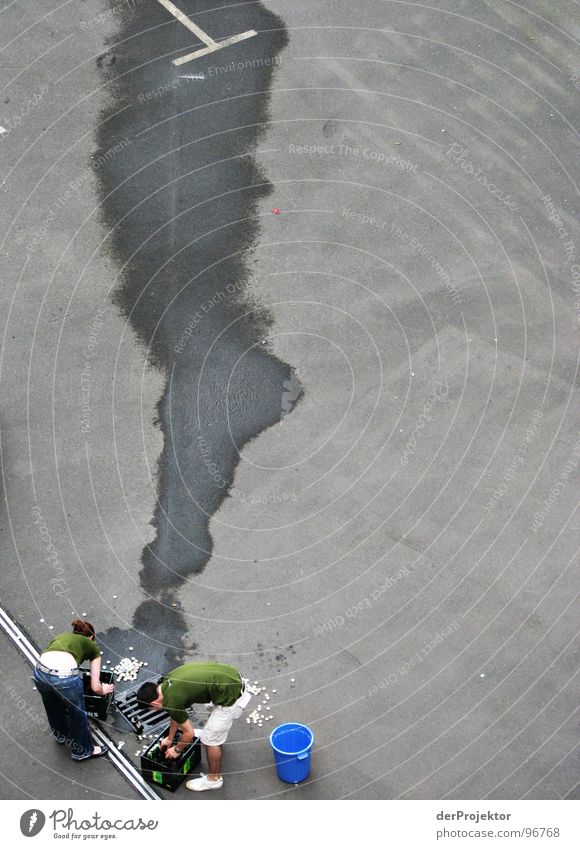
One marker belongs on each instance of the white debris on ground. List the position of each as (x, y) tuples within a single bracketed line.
[(127, 669), (255, 717)]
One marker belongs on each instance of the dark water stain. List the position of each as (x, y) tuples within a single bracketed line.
[(180, 192), (105, 60)]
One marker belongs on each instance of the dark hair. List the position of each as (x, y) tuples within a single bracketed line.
[(146, 694), (81, 626)]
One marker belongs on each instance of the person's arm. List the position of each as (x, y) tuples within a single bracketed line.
[(167, 741), (187, 735), (96, 686)]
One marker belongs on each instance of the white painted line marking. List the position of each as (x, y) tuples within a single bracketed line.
[(187, 22), (3, 130), (211, 44), (191, 76), (215, 46)]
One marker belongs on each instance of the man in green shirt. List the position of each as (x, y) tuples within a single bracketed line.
[(218, 684)]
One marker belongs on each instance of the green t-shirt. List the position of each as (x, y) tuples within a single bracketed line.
[(81, 648), (198, 683)]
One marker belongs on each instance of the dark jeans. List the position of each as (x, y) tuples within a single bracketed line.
[(64, 703)]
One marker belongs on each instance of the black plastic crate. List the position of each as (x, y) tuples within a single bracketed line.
[(97, 707), (156, 769)]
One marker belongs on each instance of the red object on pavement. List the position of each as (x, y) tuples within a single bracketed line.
[(276, 211)]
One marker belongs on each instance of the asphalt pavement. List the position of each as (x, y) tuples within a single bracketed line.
[(290, 376)]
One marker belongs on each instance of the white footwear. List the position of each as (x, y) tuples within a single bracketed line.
[(203, 783)]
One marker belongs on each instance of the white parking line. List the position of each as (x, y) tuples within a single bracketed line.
[(211, 44), (215, 46)]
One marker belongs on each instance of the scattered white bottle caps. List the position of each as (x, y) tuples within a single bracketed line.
[(127, 669)]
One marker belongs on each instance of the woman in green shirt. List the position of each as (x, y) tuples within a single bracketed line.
[(60, 684)]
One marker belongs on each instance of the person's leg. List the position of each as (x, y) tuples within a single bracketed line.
[(53, 705), (214, 762), (81, 742), (214, 780), (213, 736)]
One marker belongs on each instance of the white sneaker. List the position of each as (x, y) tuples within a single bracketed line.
[(203, 783)]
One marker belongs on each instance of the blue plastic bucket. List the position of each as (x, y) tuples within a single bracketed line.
[(292, 744)]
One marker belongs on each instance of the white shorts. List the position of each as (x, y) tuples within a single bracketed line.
[(221, 720)]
